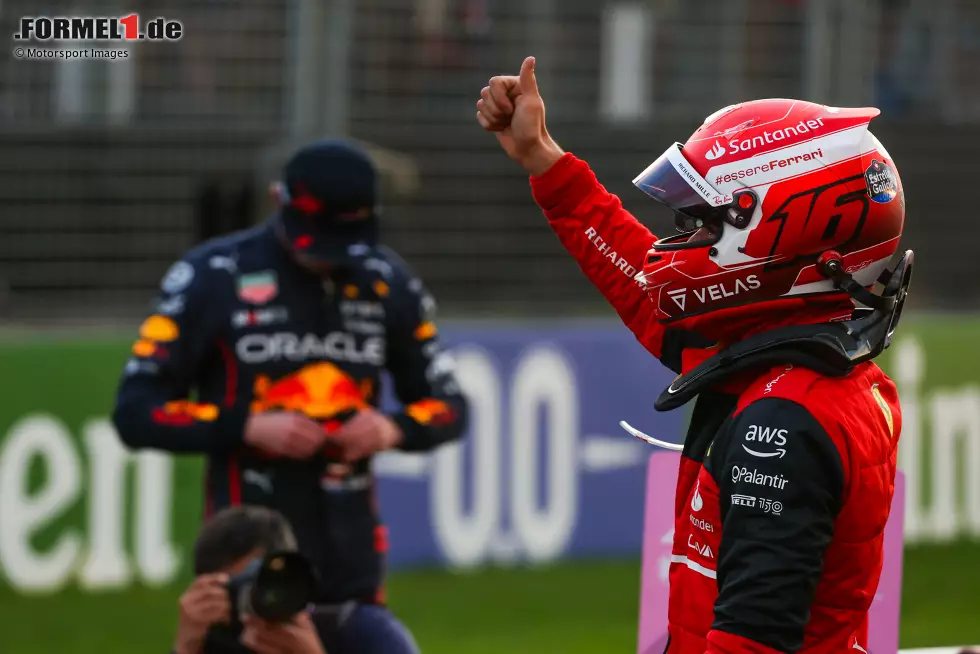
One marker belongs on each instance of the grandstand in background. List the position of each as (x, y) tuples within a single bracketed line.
[(110, 170)]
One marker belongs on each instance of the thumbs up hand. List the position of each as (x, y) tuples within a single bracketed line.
[(512, 108)]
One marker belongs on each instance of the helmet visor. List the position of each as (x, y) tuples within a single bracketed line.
[(699, 209)]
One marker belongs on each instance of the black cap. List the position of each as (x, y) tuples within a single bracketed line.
[(329, 195)]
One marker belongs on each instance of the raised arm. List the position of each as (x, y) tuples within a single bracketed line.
[(609, 244)]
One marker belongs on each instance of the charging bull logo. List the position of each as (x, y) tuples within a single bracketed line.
[(320, 391)]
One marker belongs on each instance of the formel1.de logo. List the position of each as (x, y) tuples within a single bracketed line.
[(97, 28)]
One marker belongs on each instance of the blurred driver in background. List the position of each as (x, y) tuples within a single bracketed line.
[(787, 213), (265, 351)]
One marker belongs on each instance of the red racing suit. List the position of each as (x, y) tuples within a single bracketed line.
[(786, 477)]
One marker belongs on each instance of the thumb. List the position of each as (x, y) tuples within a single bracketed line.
[(529, 84)]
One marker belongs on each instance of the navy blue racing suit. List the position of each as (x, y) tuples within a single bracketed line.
[(239, 328)]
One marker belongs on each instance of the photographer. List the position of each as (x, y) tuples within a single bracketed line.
[(230, 557)]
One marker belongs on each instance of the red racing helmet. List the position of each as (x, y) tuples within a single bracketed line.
[(773, 199)]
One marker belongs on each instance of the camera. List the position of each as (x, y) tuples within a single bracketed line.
[(274, 587)]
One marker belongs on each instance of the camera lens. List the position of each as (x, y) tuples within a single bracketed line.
[(283, 587)]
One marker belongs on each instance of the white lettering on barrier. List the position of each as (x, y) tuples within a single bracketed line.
[(544, 380), (107, 564), (908, 370), (24, 512), (541, 531), (102, 562), (955, 414), (156, 556), (465, 537)]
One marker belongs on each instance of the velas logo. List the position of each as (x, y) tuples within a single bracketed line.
[(97, 28), (719, 291), (320, 391), (259, 287), (679, 296)]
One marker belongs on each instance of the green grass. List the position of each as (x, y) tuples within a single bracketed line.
[(940, 604), (574, 608)]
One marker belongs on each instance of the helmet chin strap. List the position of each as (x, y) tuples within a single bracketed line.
[(832, 349), (831, 266)]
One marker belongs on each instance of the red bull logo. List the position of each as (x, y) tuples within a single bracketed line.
[(320, 391)]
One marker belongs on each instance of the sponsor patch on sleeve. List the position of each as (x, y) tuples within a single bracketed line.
[(380, 288), (159, 329), (177, 278), (430, 412), (425, 331), (885, 409), (258, 287)]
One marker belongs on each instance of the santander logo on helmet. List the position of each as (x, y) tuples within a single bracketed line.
[(716, 152), (800, 180), (755, 141)]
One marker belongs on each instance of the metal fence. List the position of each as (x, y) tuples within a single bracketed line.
[(109, 170)]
